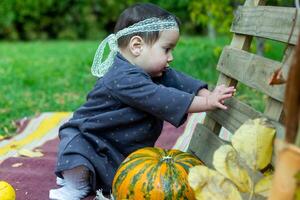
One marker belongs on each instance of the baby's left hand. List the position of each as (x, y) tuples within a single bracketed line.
[(219, 95)]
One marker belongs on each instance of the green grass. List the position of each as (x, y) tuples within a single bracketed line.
[(55, 75)]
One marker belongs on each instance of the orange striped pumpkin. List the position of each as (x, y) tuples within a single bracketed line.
[(154, 173)]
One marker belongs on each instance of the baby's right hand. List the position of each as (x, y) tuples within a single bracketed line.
[(216, 98)]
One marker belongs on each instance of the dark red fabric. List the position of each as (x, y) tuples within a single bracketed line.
[(35, 177), (169, 135)]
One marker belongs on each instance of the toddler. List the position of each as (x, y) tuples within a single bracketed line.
[(136, 91)]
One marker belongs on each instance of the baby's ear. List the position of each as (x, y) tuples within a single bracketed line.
[(136, 45)]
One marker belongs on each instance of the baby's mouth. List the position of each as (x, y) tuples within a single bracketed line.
[(165, 68)]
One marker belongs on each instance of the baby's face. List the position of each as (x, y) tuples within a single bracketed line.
[(156, 58)]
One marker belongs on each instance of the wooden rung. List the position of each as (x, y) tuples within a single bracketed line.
[(252, 70), (236, 114), (267, 21), (204, 143)]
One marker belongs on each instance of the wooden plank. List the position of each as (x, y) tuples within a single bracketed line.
[(212, 125), (241, 42), (268, 22), (238, 41), (273, 109), (280, 129), (236, 114), (255, 2), (287, 60), (208, 121), (252, 70), (204, 143)]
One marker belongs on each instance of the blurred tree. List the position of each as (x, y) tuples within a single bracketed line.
[(7, 15), (215, 15), (280, 3), (180, 9), (108, 11), (82, 19), (68, 19)]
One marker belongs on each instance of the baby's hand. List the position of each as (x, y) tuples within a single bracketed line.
[(217, 97)]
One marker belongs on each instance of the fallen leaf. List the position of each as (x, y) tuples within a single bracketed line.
[(226, 162), (38, 150), (209, 184), (254, 143), (277, 78), (263, 186), (29, 153), (13, 146), (17, 164)]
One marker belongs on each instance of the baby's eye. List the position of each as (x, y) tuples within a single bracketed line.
[(168, 49)]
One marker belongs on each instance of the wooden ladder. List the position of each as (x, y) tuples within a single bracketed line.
[(237, 65)]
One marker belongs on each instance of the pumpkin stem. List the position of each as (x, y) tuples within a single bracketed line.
[(166, 158)]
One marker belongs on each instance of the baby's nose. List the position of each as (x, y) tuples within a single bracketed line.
[(170, 58)]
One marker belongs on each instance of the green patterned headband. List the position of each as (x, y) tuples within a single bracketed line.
[(99, 67)]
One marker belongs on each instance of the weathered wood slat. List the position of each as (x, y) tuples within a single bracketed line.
[(267, 21), (241, 42), (238, 65), (252, 70), (287, 60), (204, 144), (255, 2), (274, 108), (280, 130), (236, 114), (208, 121)]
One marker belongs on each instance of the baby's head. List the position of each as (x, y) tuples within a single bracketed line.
[(145, 35), (151, 51), (139, 12)]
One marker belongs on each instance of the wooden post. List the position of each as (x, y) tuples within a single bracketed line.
[(239, 42), (274, 108), (284, 184), (287, 166)]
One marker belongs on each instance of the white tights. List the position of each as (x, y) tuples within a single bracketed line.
[(75, 185)]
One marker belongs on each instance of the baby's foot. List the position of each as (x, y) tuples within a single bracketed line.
[(67, 193), (60, 181)]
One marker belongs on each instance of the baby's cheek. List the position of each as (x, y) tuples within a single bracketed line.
[(161, 66)]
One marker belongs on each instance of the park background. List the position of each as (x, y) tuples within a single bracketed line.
[(47, 48)]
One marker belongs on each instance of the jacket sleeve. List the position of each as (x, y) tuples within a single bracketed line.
[(138, 90), (181, 81)]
